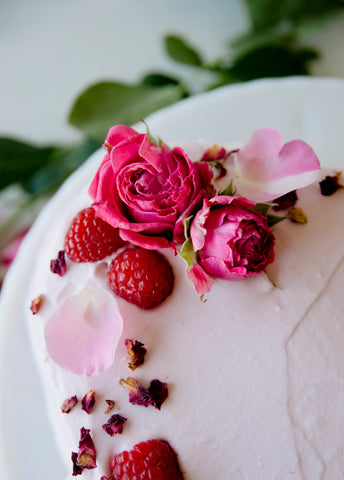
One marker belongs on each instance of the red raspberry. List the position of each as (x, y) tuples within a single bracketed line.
[(143, 277), (154, 460), (89, 238)]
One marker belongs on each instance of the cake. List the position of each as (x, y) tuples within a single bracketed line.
[(238, 368)]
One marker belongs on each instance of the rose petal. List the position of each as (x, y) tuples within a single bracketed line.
[(82, 335), (265, 171), (200, 279)]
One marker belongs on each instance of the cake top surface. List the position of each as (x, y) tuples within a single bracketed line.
[(87, 175)]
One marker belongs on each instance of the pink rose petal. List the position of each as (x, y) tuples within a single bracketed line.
[(200, 279), (82, 335), (265, 170)]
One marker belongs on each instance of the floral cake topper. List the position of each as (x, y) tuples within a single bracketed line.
[(148, 192), (147, 197)]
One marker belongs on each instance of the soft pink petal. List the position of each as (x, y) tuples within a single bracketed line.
[(265, 171), (82, 335), (200, 279)]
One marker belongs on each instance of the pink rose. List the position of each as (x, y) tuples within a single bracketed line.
[(145, 190), (233, 241)]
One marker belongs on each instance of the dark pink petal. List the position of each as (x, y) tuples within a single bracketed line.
[(82, 335), (329, 185), (58, 265), (114, 425), (154, 395), (87, 453), (88, 401)]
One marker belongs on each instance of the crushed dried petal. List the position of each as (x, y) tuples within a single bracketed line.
[(69, 404), (110, 405), (285, 201), (58, 265), (114, 425), (88, 401), (36, 304), (86, 456), (154, 395), (136, 352), (330, 184)]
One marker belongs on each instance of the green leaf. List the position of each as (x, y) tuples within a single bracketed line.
[(108, 103), (63, 162), (156, 79), (178, 49), (187, 253), (262, 208), (264, 13), (19, 160), (274, 219), (229, 190), (272, 61)]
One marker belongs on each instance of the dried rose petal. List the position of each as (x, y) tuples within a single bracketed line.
[(58, 265), (36, 304), (69, 404), (88, 401), (86, 456), (114, 425), (216, 152), (136, 352), (77, 470), (159, 393), (87, 452), (110, 406), (285, 201), (330, 185), (154, 395), (138, 395), (214, 155)]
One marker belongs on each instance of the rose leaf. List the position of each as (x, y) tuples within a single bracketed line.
[(109, 103), (179, 50)]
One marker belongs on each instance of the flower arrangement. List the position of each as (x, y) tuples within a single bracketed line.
[(158, 198)]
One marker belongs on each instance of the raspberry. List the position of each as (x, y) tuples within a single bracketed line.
[(154, 460), (89, 238), (143, 277)]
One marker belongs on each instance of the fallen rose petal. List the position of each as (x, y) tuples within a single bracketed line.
[(87, 453), (88, 401), (36, 304), (114, 426), (58, 265), (200, 279), (82, 335), (136, 351), (265, 170), (69, 404)]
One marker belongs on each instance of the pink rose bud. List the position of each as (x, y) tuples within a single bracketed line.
[(233, 241)]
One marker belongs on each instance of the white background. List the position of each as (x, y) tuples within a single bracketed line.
[(51, 50)]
